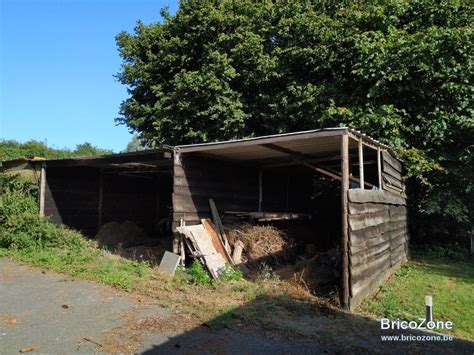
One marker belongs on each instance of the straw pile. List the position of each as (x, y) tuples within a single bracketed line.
[(127, 234), (260, 241)]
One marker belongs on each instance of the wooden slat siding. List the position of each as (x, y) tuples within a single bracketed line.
[(204, 193), (362, 235), (393, 189), (378, 239), (392, 181), (371, 264), (197, 179), (198, 203), (362, 221), (388, 170), (393, 162), (357, 208), (71, 197), (368, 244), (370, 196), (362, 256)]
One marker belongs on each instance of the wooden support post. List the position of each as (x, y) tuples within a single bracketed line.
[(101, 199), (182, 252), (361, 164), (260, 189), (42, 190), (345, 224), (379, 168)]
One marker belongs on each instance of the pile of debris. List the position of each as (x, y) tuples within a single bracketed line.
[(261, 243)]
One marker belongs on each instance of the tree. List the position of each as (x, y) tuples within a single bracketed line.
[(87, 149), (135, 144), (398, 70), (11, 149)]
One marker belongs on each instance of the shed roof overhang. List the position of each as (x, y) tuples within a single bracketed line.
[(140, 160), (312, 146)]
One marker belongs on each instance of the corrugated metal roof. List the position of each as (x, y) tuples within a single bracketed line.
[(312, 143)]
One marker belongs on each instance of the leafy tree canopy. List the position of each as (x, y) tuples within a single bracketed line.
[(400, 71)]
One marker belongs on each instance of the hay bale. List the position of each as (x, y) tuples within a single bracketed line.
[(127, 234)]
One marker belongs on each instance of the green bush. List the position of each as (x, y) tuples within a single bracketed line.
[(452, 251), (21, 227), (230, 273), (197, 274)]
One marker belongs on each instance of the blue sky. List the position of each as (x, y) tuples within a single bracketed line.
[(57, 61)]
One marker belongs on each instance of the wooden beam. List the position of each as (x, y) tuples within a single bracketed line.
[(42, 190), (379, 168), (345, 224), (361, 163), (101, 199), (302, 159), (275, 163)]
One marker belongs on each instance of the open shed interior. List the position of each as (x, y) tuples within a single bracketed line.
[(280, 196), (123, 201)]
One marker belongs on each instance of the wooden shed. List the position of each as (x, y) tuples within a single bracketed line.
[(262, 174)]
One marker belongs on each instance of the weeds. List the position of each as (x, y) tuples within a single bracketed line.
[(266, 274), (230, 273), (196, 274)]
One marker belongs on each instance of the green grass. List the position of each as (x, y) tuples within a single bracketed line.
[(450, 283), (89, 264)]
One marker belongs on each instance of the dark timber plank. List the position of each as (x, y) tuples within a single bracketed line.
[(388, 159), (364, 196)]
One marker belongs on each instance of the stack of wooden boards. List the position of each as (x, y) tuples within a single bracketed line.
[(206, 244)]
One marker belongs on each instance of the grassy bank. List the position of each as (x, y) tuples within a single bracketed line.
[(450, 281)]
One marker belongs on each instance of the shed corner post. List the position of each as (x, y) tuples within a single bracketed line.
[(101, 199), (345, 224), (361, 164), (379, 168), (42, 189), (176, 237)]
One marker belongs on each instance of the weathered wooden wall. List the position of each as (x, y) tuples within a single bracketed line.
[(378, 239), (197, 179), (236, 188), (392, 175), (71, 197)]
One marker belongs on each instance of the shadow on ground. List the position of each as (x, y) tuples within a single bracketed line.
[(280, 325)]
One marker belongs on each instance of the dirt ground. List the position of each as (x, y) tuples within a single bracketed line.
[(46, 312)]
